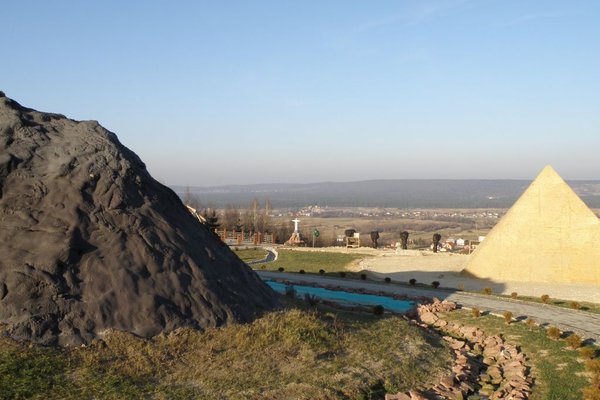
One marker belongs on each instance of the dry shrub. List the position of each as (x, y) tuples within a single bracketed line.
[(311, 299), (530, 323), (514, 295), (545, 299), (487, 290), (461, 287), (587, 352), (378, 309), (290, 291), (574, 341), (553, 333), (593, 367), (575, 305), (435, 284), (508, 316), (591, 393), (475, 312), (412, 282)]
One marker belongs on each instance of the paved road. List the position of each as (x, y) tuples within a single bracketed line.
[(271, 256), (583, 323)]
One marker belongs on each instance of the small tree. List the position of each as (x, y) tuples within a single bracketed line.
[(435, 284), (212, 219), (404, 240), (436, 241), (412, 282)]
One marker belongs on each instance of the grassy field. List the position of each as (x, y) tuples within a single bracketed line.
[(250, 253), (312, 262), (297, 353), (559, 374)]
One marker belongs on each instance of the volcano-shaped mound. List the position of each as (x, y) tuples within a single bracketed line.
[(89, 241)]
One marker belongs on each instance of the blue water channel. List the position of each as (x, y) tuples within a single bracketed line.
[(388, 303)]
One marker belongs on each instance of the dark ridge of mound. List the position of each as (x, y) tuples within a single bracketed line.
[(89, 241)]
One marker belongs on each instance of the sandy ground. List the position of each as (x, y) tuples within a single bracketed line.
[(426, 267)]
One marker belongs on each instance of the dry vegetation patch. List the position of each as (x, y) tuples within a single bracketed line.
[(295, 353)]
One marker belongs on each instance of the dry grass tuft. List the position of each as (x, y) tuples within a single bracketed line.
[(295, 353)]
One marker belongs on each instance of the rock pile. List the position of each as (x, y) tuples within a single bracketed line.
[(89, 241), (483, 365)]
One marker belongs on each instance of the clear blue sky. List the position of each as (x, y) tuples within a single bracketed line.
[(223, 92)]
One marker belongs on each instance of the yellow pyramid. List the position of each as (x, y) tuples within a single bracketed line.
[(548, 235)]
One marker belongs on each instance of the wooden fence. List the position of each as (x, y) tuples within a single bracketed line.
[(241, 238)]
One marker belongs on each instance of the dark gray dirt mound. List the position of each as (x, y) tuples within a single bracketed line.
[(89, 241)]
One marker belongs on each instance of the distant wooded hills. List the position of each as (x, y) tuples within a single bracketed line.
[(401, 193)]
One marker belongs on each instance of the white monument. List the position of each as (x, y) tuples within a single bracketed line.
[(295, 239)]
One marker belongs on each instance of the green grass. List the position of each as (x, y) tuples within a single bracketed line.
[(557, 371), (27, 374), (313, 261), (297, 353), (251, 254)]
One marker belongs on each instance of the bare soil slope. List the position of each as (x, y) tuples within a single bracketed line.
[(89, 241)]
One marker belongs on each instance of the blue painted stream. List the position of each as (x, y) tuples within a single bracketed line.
[(388, 303)]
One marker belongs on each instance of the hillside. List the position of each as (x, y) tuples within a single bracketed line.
[(401, 193)]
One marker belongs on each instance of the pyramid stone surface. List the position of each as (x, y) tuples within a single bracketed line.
[(549, 235), (89, 241)]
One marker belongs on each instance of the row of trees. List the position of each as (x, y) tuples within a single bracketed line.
[(255, 218)]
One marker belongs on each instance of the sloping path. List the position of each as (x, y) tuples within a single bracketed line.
[(583, 323), (270, 257)]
